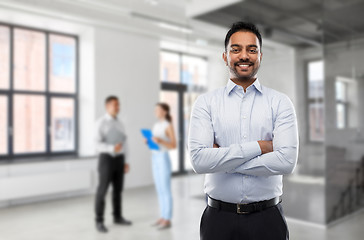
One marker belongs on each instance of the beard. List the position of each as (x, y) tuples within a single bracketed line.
[(244, 76)]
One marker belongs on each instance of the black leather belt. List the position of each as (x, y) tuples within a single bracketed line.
[(243, 208)]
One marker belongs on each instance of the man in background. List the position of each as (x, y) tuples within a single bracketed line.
[(112, 147)]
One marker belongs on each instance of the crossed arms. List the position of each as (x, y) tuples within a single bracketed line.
[(250, 158)]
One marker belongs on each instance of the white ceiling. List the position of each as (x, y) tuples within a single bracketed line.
[(170, 20), (165, 19)]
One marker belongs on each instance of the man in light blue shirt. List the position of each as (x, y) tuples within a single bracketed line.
[(244, 138)]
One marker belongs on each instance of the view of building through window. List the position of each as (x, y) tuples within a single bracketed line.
[(29, 121), (3, 125), (29, 60), (63, 124), (4, 57), (62, 64)]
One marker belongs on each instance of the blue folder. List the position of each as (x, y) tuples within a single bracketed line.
[(147, 133)]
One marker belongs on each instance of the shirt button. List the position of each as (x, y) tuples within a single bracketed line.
[(244, 136), (244, 117)]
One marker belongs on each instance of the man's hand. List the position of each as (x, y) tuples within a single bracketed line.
[(266, 146), (216, 145), (118, 147), (126, 168)]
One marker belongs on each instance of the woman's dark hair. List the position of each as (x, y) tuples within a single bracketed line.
[(243, 27), (166, 108)]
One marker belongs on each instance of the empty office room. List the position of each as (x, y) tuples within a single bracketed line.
[(181, 119)]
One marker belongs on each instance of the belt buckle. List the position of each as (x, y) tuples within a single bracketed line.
[(238, 209)]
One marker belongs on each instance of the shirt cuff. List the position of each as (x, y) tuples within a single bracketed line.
[(250, 150)]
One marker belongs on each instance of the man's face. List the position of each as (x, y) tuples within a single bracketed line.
[(113, 107), (243, 56)]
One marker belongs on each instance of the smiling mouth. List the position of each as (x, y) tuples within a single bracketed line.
[(243, 66)]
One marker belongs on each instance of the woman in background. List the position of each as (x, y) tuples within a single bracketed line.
[(163, 135)]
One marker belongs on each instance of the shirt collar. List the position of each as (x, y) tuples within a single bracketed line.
[(109, 117), (231, 85)]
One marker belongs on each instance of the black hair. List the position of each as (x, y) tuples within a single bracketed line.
[(166, 108), (111, 98), (242, 27)]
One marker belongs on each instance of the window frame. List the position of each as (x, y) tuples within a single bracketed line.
[(10, 92)]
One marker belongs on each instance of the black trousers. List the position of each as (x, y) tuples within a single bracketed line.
[(221, 225), (111, 170)]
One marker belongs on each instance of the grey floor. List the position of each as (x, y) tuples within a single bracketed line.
[(72, 218)]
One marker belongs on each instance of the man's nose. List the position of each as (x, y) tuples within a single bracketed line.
[(244, 55)]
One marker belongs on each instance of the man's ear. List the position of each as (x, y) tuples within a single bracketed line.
[(224, 57), (261, 56)]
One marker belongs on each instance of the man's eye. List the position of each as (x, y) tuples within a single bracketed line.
[(253, 50), (235, 50)]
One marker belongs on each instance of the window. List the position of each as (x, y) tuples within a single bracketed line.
[(341, 104), (170, 67), (181, 72), (62, 64), (38, 95), (194, 71), (4, 57), (3, 125), (28, 122), (347, 102), (29, 60), (315, 73), (63, 124)]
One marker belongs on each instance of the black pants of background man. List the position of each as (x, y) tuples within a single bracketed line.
[(221, 225), (111, 170)]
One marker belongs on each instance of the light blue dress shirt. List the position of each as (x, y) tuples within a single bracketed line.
[(238, 172)]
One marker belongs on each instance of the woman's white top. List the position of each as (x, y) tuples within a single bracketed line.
[(159, 131)]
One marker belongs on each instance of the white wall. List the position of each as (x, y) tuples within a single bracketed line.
[(127, 65), (278, 70)]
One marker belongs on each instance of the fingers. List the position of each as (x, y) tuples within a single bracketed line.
[(126, 168), (155, 139)]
